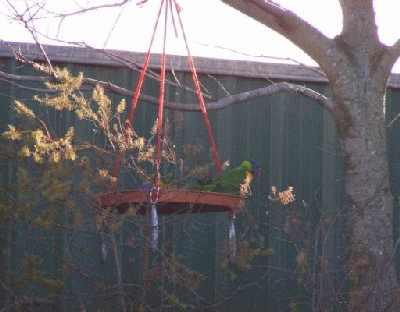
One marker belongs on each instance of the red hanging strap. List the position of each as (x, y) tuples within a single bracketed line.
[(136, 94), (160, 115), (139, 86), (159, 126), (199, 95)]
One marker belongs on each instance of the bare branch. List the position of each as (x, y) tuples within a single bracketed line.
[(88, 9), (31, 28), (396, 48), (215, 105), (289, 25), (390, 55)]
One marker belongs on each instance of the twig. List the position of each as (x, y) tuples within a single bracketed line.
[(31, 30), (85, 10), (113, 27)]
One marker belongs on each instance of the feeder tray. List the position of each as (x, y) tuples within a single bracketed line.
[(172, 201)]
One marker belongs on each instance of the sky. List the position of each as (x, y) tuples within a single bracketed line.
[(213, 28)]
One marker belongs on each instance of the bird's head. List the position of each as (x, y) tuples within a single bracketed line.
[(247, 165), (252, 166)]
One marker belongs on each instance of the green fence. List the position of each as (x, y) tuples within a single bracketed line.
[(292, 138)]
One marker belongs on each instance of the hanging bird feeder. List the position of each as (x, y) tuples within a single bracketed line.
[(174, 201), (166, 201)]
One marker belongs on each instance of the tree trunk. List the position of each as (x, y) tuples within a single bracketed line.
[(368, 203), (357, 65)]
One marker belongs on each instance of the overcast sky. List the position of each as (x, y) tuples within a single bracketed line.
[(212, 27)]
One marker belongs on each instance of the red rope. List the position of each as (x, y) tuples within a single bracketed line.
[(159, 126), (139, 86), (199, 95), (160, 115), (136, 94)]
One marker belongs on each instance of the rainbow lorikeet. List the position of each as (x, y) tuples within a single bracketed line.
[(235, 181)]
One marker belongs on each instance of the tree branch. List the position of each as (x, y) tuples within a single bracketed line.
[(396, 48), (215, 105), (359, 22), (360, 36), (291, 26), (391, 55)]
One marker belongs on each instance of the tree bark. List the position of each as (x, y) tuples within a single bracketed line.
[(368, 200)]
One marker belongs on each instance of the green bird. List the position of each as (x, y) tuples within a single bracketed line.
[(234, 181)]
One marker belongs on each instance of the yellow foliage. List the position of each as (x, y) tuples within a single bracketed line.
[(121, 106), (103, 173), (83, 109), (37, 157), (66, 83), (285, 197), (25, 151), (70, 134), (12, 134), (245, 189), (52, 149), (104, 104), (38, 136), (139, 143), (23, 110), (69, 153)]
